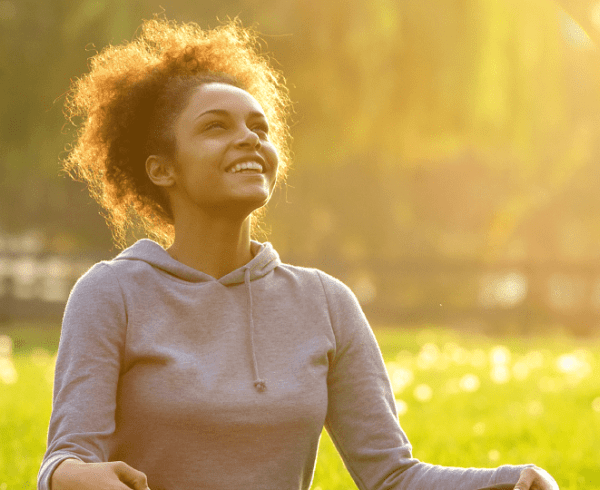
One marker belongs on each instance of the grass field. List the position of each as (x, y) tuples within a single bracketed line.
[(463, 400)]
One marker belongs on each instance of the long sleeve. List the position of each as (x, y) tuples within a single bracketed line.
[(87, 373), (361, 414)]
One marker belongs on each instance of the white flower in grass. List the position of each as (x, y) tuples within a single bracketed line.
[(535, 408), (401, 378), (494, 455), (8, 373), (596, 405), (469, 383), (500, 374), (500, 355), (479, 428), (429, 356), (575, 365), (567, 363), (401, 407), (423, 392)]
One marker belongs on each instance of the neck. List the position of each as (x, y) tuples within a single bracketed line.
[(215, 247)]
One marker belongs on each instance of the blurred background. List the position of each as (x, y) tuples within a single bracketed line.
[(445, 153)]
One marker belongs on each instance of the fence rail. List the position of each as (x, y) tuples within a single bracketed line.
[(36, 286), (523, 294), (424, 291)]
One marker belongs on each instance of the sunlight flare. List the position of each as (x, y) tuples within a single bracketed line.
[(494, 455), (400, 376), (429, 356), (401, 407), (500, 355), (500, 374), (470, 383), (423, 393), (479, 428), (8, 373), (575, 364)]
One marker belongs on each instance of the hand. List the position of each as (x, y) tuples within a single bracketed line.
[(72, 474), (536, 479)]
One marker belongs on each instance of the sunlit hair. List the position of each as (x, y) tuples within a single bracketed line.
[(126, 105)]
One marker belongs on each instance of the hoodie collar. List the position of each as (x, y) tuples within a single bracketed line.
[(264, 261)]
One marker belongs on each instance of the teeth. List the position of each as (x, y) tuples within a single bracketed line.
[(246, 166)]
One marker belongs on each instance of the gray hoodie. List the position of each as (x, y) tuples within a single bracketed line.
[(226, 384)]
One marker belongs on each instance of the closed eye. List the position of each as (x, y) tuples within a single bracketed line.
[(261, 128), (215, 125)]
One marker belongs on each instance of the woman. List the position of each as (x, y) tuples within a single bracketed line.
[(210, 364)]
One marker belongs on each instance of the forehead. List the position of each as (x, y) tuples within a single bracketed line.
[(221, 96)]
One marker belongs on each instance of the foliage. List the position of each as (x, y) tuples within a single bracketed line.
[(463, 401), (436, 130), (387, 94)]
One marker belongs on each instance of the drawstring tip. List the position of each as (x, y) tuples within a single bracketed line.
[(260, 385)]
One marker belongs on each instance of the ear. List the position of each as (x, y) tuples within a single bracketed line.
[(160, 171)]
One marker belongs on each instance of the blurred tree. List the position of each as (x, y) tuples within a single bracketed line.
[(418, 124), (41, 47), (415, 86)]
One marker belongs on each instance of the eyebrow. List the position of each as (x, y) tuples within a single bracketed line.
[(223, 112)]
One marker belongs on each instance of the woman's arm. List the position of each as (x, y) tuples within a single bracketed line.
[(72, 474), (362, 419), (89, 360)]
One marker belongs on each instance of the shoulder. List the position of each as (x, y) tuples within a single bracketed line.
[(336, 292), (99, 283), (97, 297), (312, 274), (100, 274), (346, 317), (118, 268)]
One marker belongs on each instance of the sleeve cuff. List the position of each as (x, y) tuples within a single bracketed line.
[(49, 465), (509, 473)]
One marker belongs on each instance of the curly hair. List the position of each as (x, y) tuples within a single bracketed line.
[(125, 107)]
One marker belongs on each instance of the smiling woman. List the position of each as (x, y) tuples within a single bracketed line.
[(220, 135), (128, 103), (210, 364)]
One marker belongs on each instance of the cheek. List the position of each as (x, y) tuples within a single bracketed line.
[(272, 155)]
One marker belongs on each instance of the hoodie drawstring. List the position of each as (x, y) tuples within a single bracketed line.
[(259, 383)]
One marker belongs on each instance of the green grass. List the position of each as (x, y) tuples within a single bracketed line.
[(546, 411)]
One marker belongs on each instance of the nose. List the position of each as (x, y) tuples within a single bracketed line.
[(248, 139)]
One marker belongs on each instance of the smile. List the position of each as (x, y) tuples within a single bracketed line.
[(246, 166)]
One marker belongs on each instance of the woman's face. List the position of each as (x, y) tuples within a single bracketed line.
[(224, 161)]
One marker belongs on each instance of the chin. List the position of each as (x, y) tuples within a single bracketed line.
[(244, 207)]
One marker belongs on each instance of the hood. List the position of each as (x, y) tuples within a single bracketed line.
[(264, 261)]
